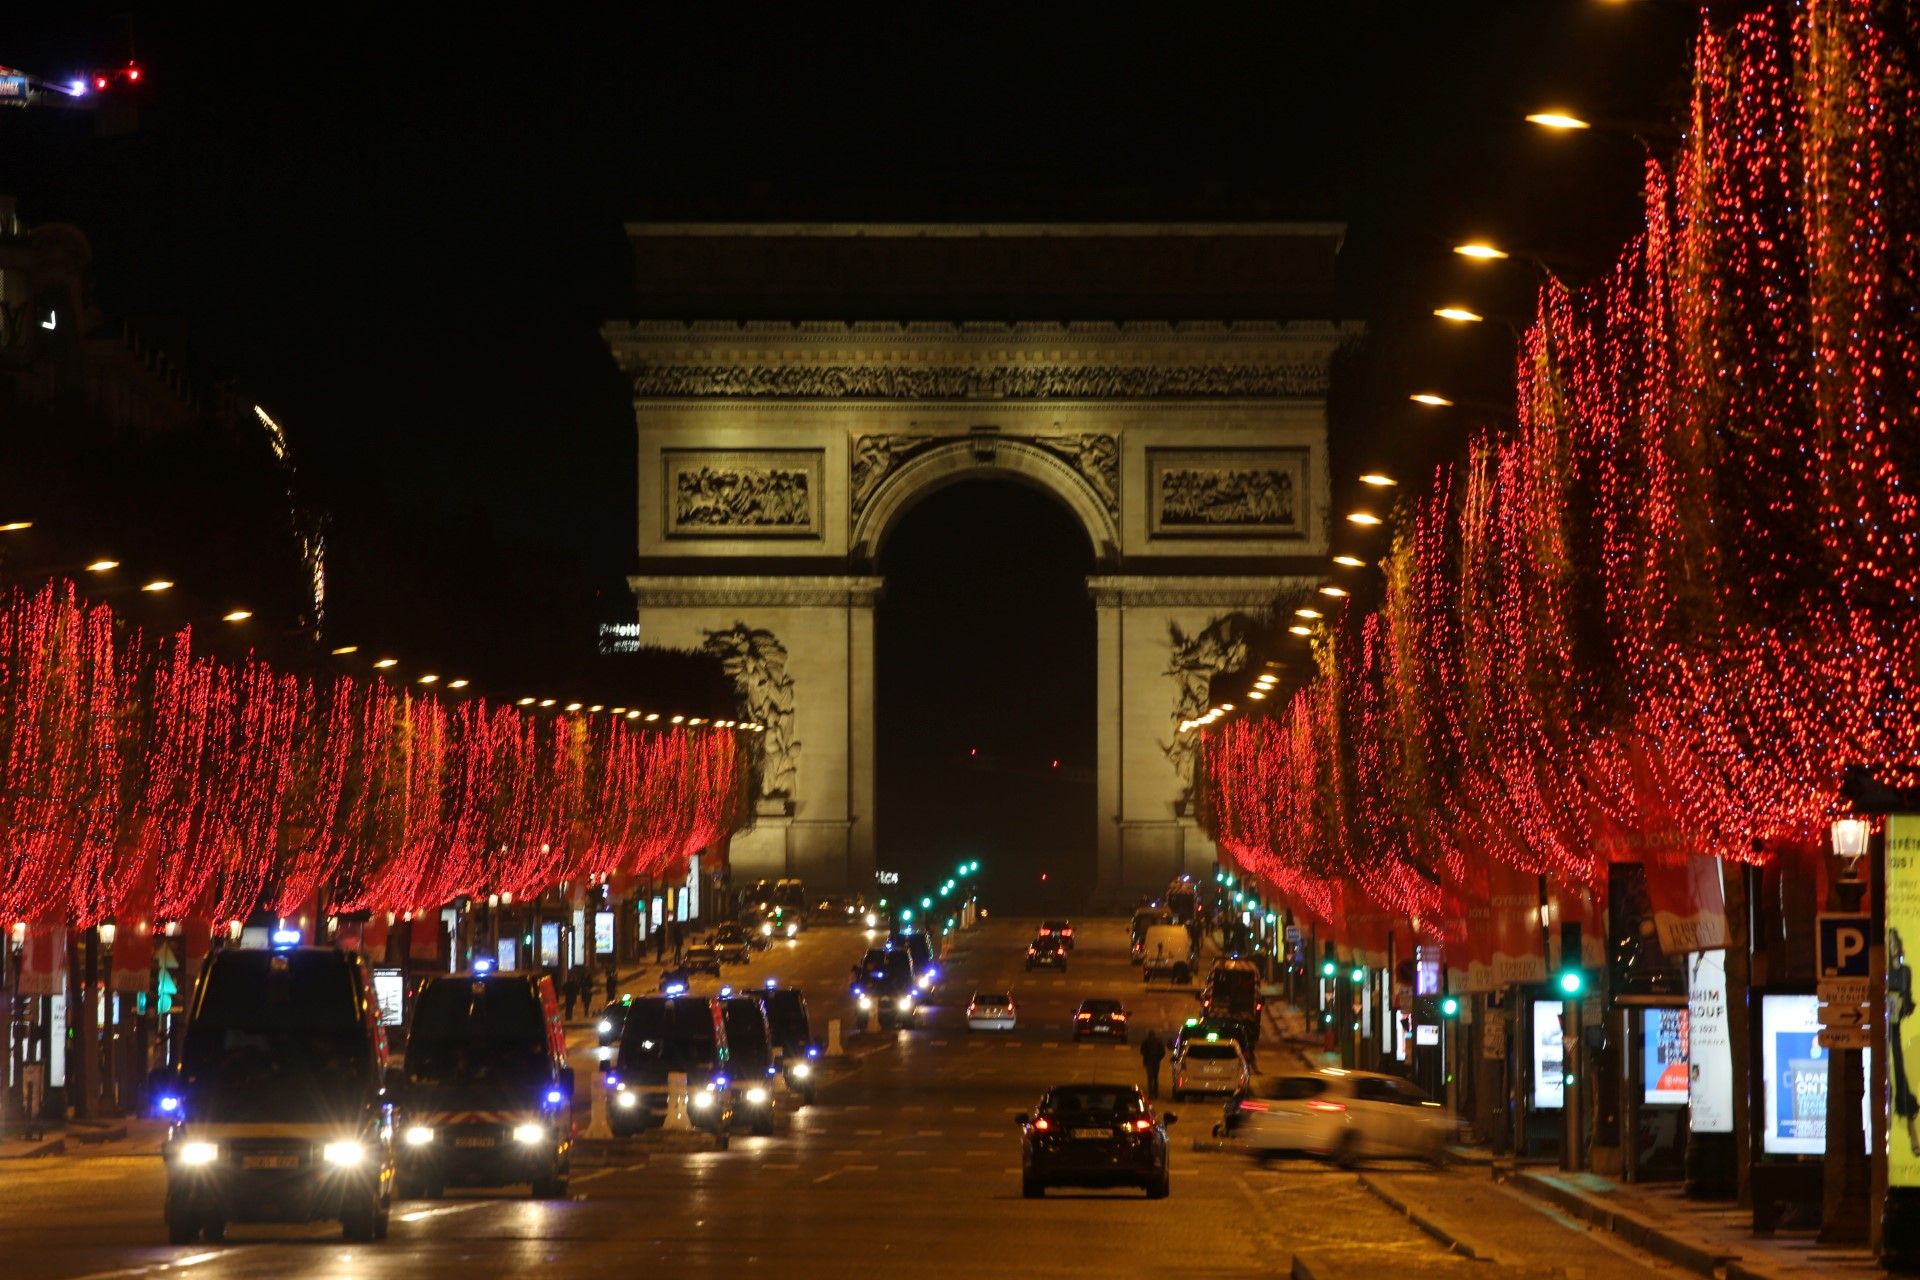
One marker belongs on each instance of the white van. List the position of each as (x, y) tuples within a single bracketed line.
[(1167, 952)]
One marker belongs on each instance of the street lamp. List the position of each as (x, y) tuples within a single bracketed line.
[(1378, 481), (1561, 121), (1459, 315), (103, 566), (1350, 562), (158, 585), (1363, 518), (1480, 251), (1432, 399), (1850, 837)]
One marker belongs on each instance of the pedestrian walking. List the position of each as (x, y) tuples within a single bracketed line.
[(572, 993), (613, 983), (1152, 1050)]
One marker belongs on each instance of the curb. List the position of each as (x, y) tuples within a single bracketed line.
[(46, 1147), (1453, 1242), (1634, 1229)]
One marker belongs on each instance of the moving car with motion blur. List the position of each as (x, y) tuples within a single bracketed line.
[(751, 1067), (701, 957), (1100, 1020), (792, 1030), (730, 940), (991, 1011), (1046, 953), (1341, 1115), (487, 1094), (665, 1036), (926, 974), (1093, 1135), (1208, 1066), (279, 1107)]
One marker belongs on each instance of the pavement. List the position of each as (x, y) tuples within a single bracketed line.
[(909, 1163)]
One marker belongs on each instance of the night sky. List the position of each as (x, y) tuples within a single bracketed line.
[(403, 239)]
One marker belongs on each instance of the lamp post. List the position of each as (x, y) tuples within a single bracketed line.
[(1844, 1189)]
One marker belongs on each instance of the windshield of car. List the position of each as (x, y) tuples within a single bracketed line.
[(1108, 1100), (486, 1032), (992, 1000), (675, 1033), (787, 1014), (917, 948), (1100, 1006), (277, 1036)]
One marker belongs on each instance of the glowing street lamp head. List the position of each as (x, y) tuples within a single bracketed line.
[(237, 615), (384, 663), (1350, 562), (1431, 399), (1563, 121), (1459, 315), (1337, 593), (345, 649), (158, 585), (1480, 251), (16, 526), (1363, 517), (1300, 630), (1378, 481)]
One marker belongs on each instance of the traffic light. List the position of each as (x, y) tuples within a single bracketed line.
[(1449, 1006), (1358, 975), (1572, 979), (1328, 965)]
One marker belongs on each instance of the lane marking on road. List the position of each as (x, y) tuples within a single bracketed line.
[(161, 1268)]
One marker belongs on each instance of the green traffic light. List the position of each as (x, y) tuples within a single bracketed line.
[(906, 914), (1450, 1007), (1326, 970), (926, 904), (1572, 981), (1359, 974)]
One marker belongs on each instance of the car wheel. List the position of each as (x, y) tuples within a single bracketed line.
[(182, 1228), (381, 1221), (1157, 1188), (356, 1224), (213, 1230), (1032, 1188), (1346, 1153), (554, 1188), (763, 1128)]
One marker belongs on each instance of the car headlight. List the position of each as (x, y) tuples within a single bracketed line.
[(703, 1099), (906, 1001), (793, 931), (766, 931), (604, 1027), (757, 1096), (528, 1134), (627, 1098), (872, 920), (419, 1136), (801, 1071), (604, 1053), (344, 1154), (866, 1002), (198, 1153), (926, 981)]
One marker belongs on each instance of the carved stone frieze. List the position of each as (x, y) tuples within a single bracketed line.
[(1304, 378), (1095, 456)]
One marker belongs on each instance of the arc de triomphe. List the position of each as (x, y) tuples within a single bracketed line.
[(798, 387)]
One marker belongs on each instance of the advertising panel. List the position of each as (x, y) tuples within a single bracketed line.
[(1663, 1060), (390, 991), (550, 943), (603, 933), (508, 958), (1709, 1045), (1903, 1028), (1794, 1076), (1549, 1056)]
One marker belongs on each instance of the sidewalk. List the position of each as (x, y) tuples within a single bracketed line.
[(1711, 1237), (133, 1136)]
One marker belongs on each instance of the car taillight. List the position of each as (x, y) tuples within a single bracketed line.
[(1317, 1105), (1250, 1104), (1119, 1017), (1042, 1123), (1142, 1125), (1082, 1017)]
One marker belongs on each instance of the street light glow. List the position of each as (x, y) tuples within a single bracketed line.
[(1336, 592), (1459, 315), (430, 678), (1378, 481), (237, 615), (158, 584), (1430, 398), (1305, 612), (1363, 517), (1299, 630), (15, 526), (456, 684), (1351, 562), (101, 566), (1561, 120), (1480, 251)]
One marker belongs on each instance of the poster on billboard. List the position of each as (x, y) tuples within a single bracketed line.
[(1794, 1076), (603, 933), (1709, 1045), (390, 992), (1549, 1056), (1663, 1061), (508, 957), (1903, 1027)]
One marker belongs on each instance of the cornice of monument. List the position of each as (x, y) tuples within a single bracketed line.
[(769, 590)]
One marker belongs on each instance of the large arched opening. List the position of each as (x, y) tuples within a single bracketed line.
[(985, 687)]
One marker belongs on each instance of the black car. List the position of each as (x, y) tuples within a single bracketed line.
[(889, 994), (1100, 1020), (730, 940), (1046, 951), (701, 957), (1093, 1135), (793, 1037), (751, 1069), (665, 1036), (1061, 929)]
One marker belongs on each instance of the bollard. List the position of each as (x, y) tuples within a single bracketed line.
[(834, 1048)]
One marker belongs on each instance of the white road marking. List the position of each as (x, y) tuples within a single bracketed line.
[(160, 1268)]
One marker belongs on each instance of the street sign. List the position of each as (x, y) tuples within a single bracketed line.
[(14, 88), (1842, 990), (1846, 1037), (1843, 1015), (1842, 944)]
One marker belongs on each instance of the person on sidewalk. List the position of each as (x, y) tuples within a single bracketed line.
[(1152, 1050), (613, 982)]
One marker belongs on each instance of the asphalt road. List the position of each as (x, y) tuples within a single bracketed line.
[(909, 1164)]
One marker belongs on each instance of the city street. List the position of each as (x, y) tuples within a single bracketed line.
[(909, 1162)]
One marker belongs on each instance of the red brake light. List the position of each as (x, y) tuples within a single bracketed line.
[(1253, 1104), (1042, 1123), (1143, 1124), (1317, 1105)]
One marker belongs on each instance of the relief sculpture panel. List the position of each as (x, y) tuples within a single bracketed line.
[(757, 661), (742, 493), (1227, 492)]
